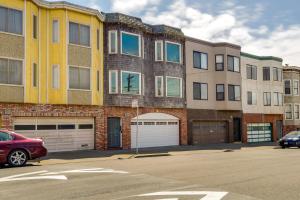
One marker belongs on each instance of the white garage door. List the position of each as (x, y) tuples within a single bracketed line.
[(155, 130), (59, 134), (259, 132)]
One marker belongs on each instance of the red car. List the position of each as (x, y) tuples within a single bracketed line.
[(16, 149)]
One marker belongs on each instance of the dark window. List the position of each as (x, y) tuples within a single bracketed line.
[(79, 34), (220, 92), (249, 100), (66, 126), (200, 60), (98, 39), (5, 137), (200, 91), (34, 31), (277, 74), (287, 87), (234, 92), (233, 63), (11, 72), (251, 72), (266, 73), (11, 20), (85, 126), (267, 98), (35, 75), (98, 81), (219, 62), (46, 127), (24, 127)]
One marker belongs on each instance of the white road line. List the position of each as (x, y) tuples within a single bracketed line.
[(25, 174), (208, 195), (60, 177), (93, 170)]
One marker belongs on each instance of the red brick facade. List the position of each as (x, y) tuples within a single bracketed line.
[(261, 118), (289, 128), (127, 113)]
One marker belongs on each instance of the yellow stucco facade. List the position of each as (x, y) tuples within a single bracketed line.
[(45, 53)]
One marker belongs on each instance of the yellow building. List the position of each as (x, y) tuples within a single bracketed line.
[(51, 71)]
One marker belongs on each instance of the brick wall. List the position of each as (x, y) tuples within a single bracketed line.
[(127, 113), (289, 128), (261, 118)]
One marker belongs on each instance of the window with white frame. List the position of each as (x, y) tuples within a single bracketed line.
[(200, 60), (233, 63), (159, 86), (234, 92), (55, 76), (251, 98), (277, 74), (11, 20), (200, 91), (251, 72), (159, 50), (173, 52), (277, 99), (267, 98), (173, 87), (296, 111), (296, 88), (287, 87), (79, 34), (288, 111), (79, 78), (113, 81), (113, 42), (130, 44), (55, 31), (11, 72), (280, 99), (131, 83)]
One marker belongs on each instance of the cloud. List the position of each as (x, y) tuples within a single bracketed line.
[(94, 4), (130, 6)]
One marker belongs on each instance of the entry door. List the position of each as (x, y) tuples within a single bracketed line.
[(237, 129), (279, 128), (114, 132)]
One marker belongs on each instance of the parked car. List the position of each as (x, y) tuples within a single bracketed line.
[(16, 150), (292, 139)]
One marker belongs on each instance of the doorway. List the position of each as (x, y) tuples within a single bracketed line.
[(114, 132), (237, 129)]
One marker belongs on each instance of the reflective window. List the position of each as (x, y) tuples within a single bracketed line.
[(174, 87), (200, 60), (131, 83), (173, 52), (113, 82), (130, 44), (5, 137)]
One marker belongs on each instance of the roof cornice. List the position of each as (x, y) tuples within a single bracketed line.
[(261, 57), (217, 44)]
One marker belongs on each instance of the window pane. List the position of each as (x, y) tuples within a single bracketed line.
[(230, 62), (254, 72), (266, 73), (249, 72), (220, 92), (276, 98), (204, 61), (35, 75), (249, 99), (5, 137), (113, 82), (231, 96), (159, 51), (237, 92), (219, 59), (159, 86), (74, 33), (130, 83), (287, 85), (173, 53), (113, 41), (173, 87), (254, 98), (34, 26), (3, 19), (84, 35), (197, 59), (14, 21), (130, 44), (98, 39), (55, 76), (236, 64), (296, 88), (55, 31), (197, 91), (84, 77), (74, 78), (204, 94), (15, 72), (4, 71)]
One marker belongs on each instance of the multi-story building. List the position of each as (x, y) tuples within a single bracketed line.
[(213, 82), (262, 98), (51, 66), (291, 77), (143, 63)]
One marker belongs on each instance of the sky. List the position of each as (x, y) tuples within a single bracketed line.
[(261, 27)]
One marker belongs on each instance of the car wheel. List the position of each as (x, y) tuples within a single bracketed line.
[(283, 147), (17, 158)]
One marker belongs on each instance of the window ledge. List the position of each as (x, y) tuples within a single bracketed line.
[(78, 45), (82, 90), (12, 85), (13, 34)]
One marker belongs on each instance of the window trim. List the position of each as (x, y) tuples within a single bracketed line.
[(217, 92), (140, 43), (199, 52), (223, 63), (110, 81), (181, 92), (162, 86), (58, 38), (73, 89), (180, 52), (140, 82), (162, 50), (109, 41), (294, 88), (291, 87), (233, 64), (292, 111)]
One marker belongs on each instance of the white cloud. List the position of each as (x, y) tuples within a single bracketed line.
[(231, 25), (94, 4), (129, 6)]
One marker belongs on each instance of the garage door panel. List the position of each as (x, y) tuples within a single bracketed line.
[(259, 132)]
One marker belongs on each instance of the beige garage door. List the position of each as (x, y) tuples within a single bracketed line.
[(209, 132), (59, 134)]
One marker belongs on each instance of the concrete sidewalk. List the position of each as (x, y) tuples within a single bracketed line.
[(93, 155)]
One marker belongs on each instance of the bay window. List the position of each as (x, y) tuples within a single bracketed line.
[(219, 62), (287, 87), (173, 52), (11, 72), (233, 63), (130, 44), (79, 34), (234, 92), (131, 83), (79, 78), (113, 81), (174, 87)]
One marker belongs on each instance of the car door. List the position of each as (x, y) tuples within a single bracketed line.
[(5, 145)]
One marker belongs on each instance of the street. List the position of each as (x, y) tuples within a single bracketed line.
[(248, 173)]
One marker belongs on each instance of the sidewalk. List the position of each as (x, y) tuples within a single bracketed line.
[(93, 155)]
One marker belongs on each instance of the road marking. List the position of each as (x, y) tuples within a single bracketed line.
[(92, 170), (208, 195), (22, 177)]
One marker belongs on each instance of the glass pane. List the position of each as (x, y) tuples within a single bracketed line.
[(113, 39), (237, 92), (84, 78), (55, 32), (15, 72), (204, 61), (159, 86), (3, 19), (204, 91), (219, 59), (55, 76), (130, 83), (130, 44), (249, 99), (254, 98), (113, 82), (197, 60), (173, 52), (74, 78), (158, 50), (5, 137), (15, 21), (236, 64), (231, 93), (173, 87), (254, 73), (4, 71), (197, 91), (74, 33), (249, 72), (230, 63), (84, 35)]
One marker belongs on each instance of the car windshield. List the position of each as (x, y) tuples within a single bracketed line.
[(293, 134)]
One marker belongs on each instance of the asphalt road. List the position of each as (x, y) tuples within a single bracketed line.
[(246, 174)]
